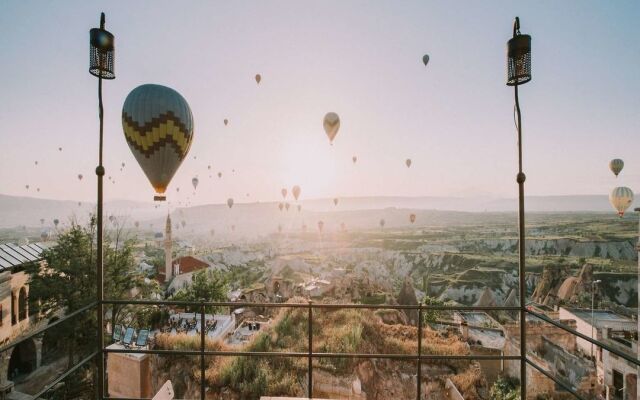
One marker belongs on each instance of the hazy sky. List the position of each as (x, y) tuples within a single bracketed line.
[(361, 59)]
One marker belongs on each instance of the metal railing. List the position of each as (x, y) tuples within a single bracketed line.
[(419, 357)]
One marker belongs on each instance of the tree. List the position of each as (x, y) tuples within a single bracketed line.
[(66, 282), (505, 389), (206, 285), (431, 315)]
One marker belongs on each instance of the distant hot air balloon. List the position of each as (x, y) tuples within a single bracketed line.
[(219, 174), (408, 162), (230, 202), (208, 166), (425, 59), (195, 182), (226, 122), (320, 225), (335, 201), (112, 218), (59, 148), (36, 163), (354, 159), (212, 232), (283, 191), (183, 223), (41, 221), (331, 124), (279, 228), (158, 126), (281, 206), (79, 204), (621, 198), (177, 189), (286, 206), (616, 166), (136, 224), (44, 235), (26, 186), (233, 228), (258, 78), (412, 218), (382, 222), (37, 189), (122, 165), (79, 177), (56, 222), (296, 192), (299, 207)]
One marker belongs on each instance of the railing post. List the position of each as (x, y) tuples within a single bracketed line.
[(310, 350), (202, 340), (419, 376)]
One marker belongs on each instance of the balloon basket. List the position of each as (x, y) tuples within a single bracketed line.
[(159, 198)]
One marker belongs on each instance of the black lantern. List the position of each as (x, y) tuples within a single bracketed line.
[(101, 52), (518, 57)]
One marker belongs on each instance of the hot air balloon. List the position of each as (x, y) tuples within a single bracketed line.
[(279, 228), (412, 218), (183, 223), (281, 206), (219, 174), (79, 204), (36, 163), (158, 126), (56, 222), (331, 124), (299, 207), (44, 235), (111, 218), (320, 225), (283, 191), (41, 221), (621, 198), (258, 78), (233, 228), (286, 206), (177, 189), (230, 202), (408, 162), (425, 59), (122, 165), (616, 166), (79, 177), (194, 182), (26, 186), (335, 201), (208, 166), (226, 122), (37, 189), (354, 159), (212, 232), (59, 148), (136, 224), (296, 192)]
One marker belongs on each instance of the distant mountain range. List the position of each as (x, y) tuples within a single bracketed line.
[(16, 211)]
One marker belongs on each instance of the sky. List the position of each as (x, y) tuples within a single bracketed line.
[(360, 59)]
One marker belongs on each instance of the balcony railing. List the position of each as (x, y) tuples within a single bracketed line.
[(419, 357)]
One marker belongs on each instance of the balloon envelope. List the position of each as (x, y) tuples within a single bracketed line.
[(335, 201), (158, 126), (258, 78), (281, 206), (226, 122), (320, 225), (408, 162), (412, 218), (284, 193), (616, 166), (621, 198), (382, 222), (331, 124), (195, 182), (425, 59), (230, 202), (296, 192), (354, 159)]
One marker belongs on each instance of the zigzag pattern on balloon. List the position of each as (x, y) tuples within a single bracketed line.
[(164, 130)]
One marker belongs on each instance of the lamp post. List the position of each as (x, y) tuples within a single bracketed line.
[(637, 210), (518, 73), (593, 296), (101, 64)]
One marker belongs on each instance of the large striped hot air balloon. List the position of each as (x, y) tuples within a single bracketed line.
[(158, 126), (621, 198)]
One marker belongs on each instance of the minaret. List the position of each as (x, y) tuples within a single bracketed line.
[(168, 273)]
